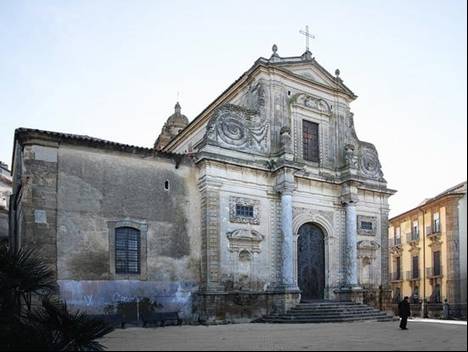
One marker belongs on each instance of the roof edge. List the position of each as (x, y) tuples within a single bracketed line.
[(447, 193), (23, 134)]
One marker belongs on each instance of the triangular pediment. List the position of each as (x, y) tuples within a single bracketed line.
[(308, 68), (311, 73)]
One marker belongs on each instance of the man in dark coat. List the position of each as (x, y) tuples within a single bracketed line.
[(404, 311)]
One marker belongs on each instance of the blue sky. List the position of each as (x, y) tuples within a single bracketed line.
[(112, 70)]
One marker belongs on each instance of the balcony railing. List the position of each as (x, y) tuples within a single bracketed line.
[(412, 236), (433, 230), (394, 242), (412, 275), (396, 276), (434, 272)]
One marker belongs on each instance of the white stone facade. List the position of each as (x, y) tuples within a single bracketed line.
[(249, 144)]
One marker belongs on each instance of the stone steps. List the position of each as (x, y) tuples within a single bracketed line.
[(327, 312)]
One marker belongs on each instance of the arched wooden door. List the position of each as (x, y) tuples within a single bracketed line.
[(311, 262)]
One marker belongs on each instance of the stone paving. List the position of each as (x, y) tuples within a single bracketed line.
[(380, 336)]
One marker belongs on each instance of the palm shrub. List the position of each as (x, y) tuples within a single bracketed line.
[(51, 326), (22, 275)]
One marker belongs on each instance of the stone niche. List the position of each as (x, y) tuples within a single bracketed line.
[(244, 244)]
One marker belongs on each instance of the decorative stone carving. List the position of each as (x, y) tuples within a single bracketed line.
[(351, 159), (367, 249), (233, 217), (241, 240), (366, 219), (370, 164), (238, 128), (312, 103), (286, 145), (368, 245)]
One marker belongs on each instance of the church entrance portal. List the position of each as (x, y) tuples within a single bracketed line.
[(311, 262)]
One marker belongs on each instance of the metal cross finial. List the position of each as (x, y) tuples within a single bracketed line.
[(307, 36)]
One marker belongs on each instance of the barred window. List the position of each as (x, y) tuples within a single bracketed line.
[(246, 211), (366, 225), (310, 141), (127, 250)]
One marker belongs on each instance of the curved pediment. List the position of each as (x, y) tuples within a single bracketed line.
[(245, 239), (312, 103), (368, 244)]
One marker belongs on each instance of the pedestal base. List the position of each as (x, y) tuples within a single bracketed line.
[(350, 294)]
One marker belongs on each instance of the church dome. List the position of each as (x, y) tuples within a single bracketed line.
[(174, 124), (177, 118)]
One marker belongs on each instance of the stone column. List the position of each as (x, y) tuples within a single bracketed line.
[(287, 230), (351, 279), (350, 291), (285, 186)]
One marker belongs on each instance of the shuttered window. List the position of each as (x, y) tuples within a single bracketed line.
[(415, 267), (436, 263), (310, 140), (127, 250)]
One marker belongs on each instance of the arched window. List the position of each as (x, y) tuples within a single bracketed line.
[(127, 250)]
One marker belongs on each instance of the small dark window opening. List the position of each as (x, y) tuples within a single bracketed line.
[(310, 140), (245, 211), (398, 268), (127, 250), (436, 263), (289, 92), (166, 185), (366, 225)]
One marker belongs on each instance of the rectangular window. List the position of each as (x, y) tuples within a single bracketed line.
[(397, 235), (436, 224), (310, 140), (415, 229), (245, 211), (127, 250), (398, 268), (415, 267), (436, 263)]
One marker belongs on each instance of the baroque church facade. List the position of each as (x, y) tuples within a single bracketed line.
[(266, 198)]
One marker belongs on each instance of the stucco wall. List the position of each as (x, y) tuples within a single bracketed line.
[(96, 189)]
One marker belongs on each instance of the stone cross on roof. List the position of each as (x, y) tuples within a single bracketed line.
[(307, 36)]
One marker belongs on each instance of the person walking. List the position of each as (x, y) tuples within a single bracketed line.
[(404, 311)]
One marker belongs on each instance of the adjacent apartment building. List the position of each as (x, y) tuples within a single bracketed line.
[(427, 247), (5, 192)]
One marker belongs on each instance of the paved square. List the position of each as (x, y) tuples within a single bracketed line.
[(368, 336)]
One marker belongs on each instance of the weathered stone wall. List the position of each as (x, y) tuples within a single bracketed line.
[(37, 213), (73, 197)]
